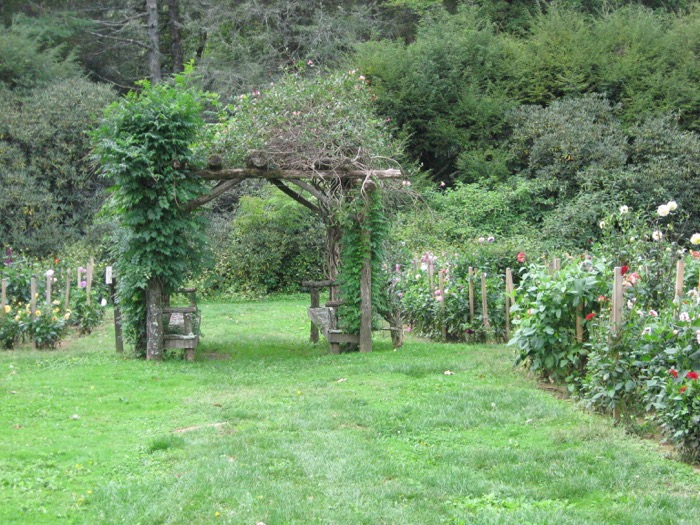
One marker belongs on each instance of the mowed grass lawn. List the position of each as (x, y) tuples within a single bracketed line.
[(265, 427)]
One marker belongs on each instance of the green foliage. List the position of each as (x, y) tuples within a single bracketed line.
[(636, 56), (144, 146), (681, 413), (327, 121), (443, 313), (25, 63), (250, 43), (440, 90), (579, 161), (271, 244), (547, 304), (50, 193), (455, 219), (86, 316), (365, 228), (10, 329)]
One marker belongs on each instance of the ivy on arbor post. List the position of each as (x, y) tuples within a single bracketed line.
[(145, 146)]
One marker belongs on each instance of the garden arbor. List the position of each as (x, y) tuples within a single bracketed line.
[(316, 139), (318, 190)]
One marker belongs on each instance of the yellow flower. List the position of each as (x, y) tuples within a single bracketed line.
[(56, 302), (37, 313), (16, 317), (53, 319), (8, 309), (67, 316), (56, 310)]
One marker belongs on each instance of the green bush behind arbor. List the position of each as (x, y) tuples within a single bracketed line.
[(50, 194)]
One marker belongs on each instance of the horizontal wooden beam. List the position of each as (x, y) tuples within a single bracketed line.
[(248, 173)]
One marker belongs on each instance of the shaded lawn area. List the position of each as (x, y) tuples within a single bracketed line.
[(265, 427)]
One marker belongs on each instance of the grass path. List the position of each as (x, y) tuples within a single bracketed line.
[(265, 427)]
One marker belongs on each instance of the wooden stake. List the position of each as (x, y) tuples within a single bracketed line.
[(90, 268), (579, 323), (431, 272), (67, 288), (509, 300), (680, 272), (484, 302), (441, 281), (616, 322), (3, 298), (616, 317), (471, 294), (32, 302), (49, 282)]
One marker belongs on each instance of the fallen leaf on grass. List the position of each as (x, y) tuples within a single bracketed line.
[(448, 373), (341, 380)]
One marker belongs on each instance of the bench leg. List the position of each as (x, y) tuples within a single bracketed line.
[(189, 354)]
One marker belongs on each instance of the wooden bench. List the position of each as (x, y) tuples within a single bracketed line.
[(325, 318), (182, 324)]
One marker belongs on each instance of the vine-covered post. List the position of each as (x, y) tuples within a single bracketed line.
[(145, 145), (366, 279)]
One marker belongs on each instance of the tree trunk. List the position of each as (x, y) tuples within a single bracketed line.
[(153, 40), (174, 23), (154, 320)]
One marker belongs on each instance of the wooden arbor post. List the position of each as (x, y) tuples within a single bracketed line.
[(366, 279), (154, 320)]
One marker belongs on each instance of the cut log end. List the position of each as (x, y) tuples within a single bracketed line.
[(215, 162)]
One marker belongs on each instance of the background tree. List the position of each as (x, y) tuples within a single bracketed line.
[(50, 192)]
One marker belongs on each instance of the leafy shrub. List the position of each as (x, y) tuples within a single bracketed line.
[(50, 192), (10, 329), (547, 305), (271, 244), (86, 316), (680, 417), (428, 310)]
